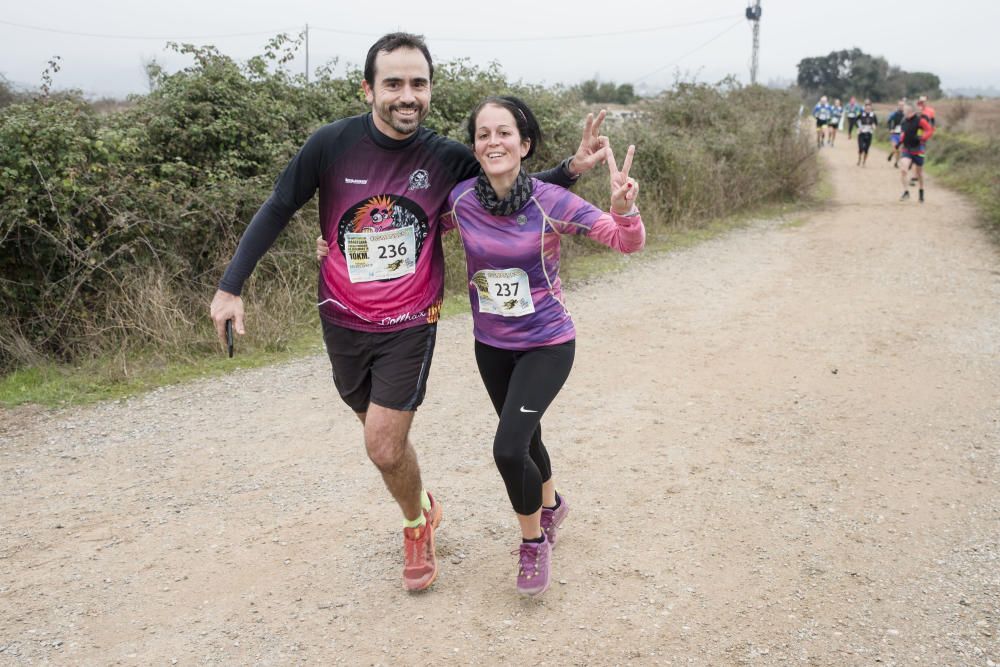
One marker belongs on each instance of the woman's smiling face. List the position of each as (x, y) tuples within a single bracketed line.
[(498, 144)]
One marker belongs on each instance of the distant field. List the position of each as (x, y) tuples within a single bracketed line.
[(980, 117)]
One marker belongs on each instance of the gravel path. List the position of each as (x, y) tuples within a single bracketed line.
[(781, 447)]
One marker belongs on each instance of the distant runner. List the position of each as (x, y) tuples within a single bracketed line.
[(821, 112), (927, 111), (915, 131), (836, 112), (853, 110), (893, 122), (867, 122)]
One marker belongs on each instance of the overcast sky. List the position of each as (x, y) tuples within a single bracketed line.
[(642, 41)]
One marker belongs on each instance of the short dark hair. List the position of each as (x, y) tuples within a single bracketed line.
[(391, 42), (527, 124)]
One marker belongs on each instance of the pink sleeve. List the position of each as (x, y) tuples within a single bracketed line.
[(625, 234)]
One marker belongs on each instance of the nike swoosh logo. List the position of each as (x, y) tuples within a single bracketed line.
[(524, 409)]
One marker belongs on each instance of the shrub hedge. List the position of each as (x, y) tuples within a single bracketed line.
[(115, 226)]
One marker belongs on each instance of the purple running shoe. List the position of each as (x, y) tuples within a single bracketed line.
[(552, 519), (533, 567)]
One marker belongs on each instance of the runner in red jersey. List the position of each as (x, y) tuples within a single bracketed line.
[(915, 131), (927, 111)]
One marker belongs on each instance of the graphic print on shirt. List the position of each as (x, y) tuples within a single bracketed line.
[(381, 237), (419, 180)]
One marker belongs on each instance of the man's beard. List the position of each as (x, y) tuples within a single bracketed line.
[(401, 125)]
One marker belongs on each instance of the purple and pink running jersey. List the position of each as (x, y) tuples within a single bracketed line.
[(513, 261), (380, 200)]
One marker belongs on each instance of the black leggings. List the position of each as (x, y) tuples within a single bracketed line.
[(864, 142), (521, 385)]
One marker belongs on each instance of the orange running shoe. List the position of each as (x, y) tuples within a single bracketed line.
[(434, 513), (419, 558)]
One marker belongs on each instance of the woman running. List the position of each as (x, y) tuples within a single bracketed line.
[(510, 225), (867, 122)]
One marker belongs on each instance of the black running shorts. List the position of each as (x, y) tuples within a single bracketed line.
[(388, 369), (864, 141)]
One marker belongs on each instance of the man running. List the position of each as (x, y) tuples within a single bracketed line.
[(867, 122), (853, 110), (893, 122), (383, 182), (927, 111), (821, 112), (914, 133)]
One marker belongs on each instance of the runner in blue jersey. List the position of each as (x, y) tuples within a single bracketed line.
[(510, 225), (383, 181), (821, 112), (836, 112)]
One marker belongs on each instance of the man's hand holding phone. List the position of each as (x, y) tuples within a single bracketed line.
[(227, 315)]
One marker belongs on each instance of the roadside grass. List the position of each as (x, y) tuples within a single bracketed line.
[(99, 379), (971, 165), (107, 378)]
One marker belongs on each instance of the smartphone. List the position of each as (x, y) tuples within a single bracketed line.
[(229, 337)]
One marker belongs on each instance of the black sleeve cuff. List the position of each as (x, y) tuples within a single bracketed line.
[(565, 168)]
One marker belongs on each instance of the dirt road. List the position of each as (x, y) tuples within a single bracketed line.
[(781, 447)]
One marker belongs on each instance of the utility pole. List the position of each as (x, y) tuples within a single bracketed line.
[(307, 53), (753, 14)]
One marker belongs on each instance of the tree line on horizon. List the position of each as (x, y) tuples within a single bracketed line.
[(841, 74), (595, 92)]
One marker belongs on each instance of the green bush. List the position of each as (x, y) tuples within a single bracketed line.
[(708, 151), (94, 204), (116, 226)]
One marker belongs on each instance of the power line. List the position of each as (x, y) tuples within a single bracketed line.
[(694, 50), (544, 38), (149, 37)]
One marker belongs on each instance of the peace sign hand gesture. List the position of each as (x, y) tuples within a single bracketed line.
[(592, 145), (623, 189)]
